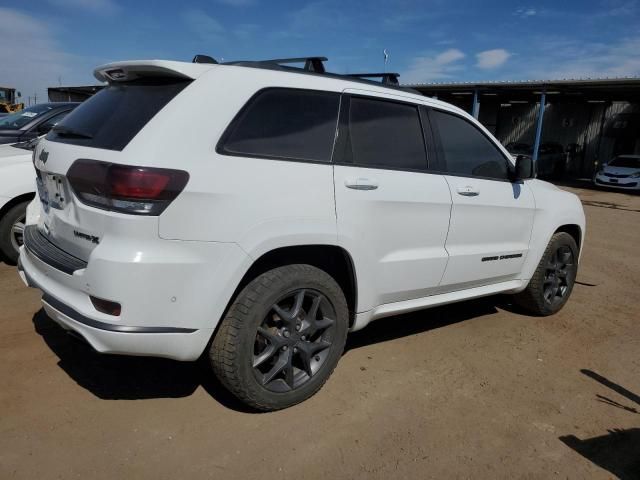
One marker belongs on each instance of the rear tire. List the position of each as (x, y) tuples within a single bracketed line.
[(552, 282), (11, 231), (281, 338)]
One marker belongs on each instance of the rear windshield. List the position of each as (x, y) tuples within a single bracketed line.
[(626, 162), (113, 116)]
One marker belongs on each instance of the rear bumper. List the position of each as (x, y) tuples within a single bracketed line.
[(175, 343), (170, 303)]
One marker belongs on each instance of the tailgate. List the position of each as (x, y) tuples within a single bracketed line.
[(64, 221)]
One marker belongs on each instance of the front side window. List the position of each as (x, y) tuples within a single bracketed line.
[(285, 123), (385, 134), (466, 150)]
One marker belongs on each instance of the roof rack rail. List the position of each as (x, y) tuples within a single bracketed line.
[(311, 64), (203, 59), (314, 65), (386, 78)]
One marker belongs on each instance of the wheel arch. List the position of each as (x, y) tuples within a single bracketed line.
[(25, 197), (574, 230), (332, 259)]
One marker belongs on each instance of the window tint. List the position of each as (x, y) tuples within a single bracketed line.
[(113, 116), (467, 151), (19, 119), (47, 125), (386, 134), (286, 123)]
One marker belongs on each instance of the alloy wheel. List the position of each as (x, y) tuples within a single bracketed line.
[(559, 273), (293, 341), (17, 232)]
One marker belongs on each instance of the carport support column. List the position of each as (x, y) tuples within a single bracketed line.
[(536, 145), (475, 109)]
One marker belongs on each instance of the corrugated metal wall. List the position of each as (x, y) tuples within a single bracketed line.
[(582, 124)]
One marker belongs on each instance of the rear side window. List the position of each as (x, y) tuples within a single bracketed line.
[(466, 150), (386, 134), (113, 116), (285, 123)]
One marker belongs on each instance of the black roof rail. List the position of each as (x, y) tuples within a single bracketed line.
[(386, 78), (203, 59), (314, 66), (311, 64)]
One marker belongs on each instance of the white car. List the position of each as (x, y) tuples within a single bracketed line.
[(17, 188), (622, 172), (260, 212)]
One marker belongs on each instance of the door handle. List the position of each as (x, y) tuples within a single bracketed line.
[(361, 184), (468, 191)]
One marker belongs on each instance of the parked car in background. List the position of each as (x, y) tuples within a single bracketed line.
[(622, 172), (17, 183), (305, 206), (519, 148), (551, 160), (551, 157), (32, 121), (17, 187)]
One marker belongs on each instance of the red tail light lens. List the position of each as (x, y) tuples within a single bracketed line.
[(125, 188), (138, 183)]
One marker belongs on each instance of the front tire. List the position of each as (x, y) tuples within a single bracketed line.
[(11, 231), (282, 337), (552, 282)]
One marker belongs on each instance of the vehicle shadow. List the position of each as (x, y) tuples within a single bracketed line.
[(119, 377), (423, 321), (619, 450)]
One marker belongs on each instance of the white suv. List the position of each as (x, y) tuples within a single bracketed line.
[(259, 212)]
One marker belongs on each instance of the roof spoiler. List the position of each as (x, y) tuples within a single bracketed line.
[(130, 70)]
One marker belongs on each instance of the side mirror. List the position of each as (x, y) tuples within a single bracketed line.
[(524, 168)]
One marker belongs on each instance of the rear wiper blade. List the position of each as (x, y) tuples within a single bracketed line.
[(70, 132)]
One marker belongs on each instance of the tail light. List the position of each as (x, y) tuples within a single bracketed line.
[(125, 188)]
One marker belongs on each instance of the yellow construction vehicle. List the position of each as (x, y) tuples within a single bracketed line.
[(8, 100)]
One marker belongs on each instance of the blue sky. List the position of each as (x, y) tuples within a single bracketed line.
[(44, 42)]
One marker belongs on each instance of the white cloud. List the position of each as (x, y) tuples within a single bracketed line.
[(203, 25), (438, 67), (449, 56), (526, 12), (567, 58), (96, 6), (316, 17), (492, 58), (32, 60)]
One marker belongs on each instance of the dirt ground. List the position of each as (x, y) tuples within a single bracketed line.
[(474, 390)]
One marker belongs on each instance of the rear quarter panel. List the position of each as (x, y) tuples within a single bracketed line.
[(260, 204)]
